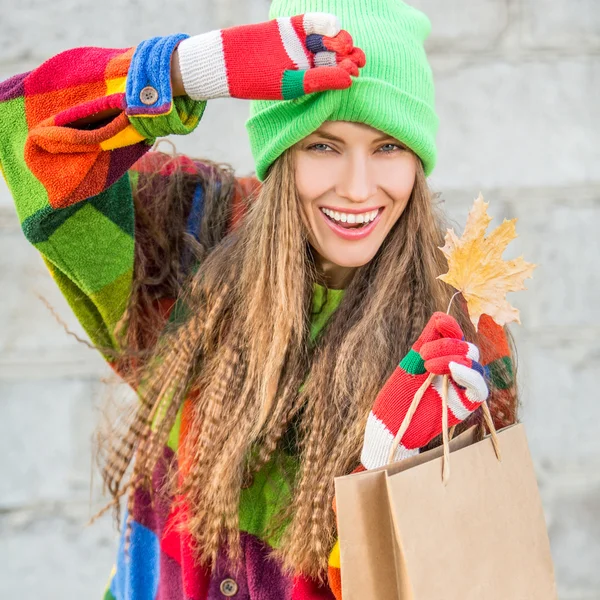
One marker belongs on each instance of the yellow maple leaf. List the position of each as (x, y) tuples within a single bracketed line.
[(477, 270)]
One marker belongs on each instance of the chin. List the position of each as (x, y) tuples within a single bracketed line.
[(349, 259)]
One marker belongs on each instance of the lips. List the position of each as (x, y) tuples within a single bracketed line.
[(352, 233)]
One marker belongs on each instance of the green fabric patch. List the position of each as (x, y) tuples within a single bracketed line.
[(173, 441), (112, 299), (292, 85), (413, 364), (502, 375), (180, 121), (116, 203), (108, 595), (40, 226), (79, 248), (29, 194), (84, 309), (325, 303), (267, 495)]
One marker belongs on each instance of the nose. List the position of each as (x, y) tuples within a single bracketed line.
[(356, 181)]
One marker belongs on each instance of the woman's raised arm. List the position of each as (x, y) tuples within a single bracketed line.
[(72, 129)]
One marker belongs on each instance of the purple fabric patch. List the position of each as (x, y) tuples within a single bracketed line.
[(150, 512), (13, 87), (121, 159), (265, 579), (314, 42), (257, 578), (163, 109), (170, 586)]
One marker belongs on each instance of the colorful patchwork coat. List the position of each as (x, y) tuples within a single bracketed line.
[(73, 191)]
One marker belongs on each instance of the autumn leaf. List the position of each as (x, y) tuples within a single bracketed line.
[(477, 270)]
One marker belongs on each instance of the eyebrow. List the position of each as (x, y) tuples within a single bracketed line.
[(330, 136)]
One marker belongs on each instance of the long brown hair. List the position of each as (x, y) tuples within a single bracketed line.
[(243, 357)]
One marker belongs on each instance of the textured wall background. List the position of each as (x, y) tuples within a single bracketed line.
[(518, 83)]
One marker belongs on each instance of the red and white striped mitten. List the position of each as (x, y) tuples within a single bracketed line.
[(440, 350), (277, 60)]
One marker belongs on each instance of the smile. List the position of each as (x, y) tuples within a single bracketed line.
[(352, 225)]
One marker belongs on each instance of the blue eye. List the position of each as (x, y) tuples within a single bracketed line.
[(390, 148), (319, 147)]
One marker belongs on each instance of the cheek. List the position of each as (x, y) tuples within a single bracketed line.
[(313, 178), (398, 185)]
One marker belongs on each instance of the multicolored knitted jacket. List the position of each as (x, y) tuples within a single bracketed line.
[(73, 193)]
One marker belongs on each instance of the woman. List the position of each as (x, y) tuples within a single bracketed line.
[(260, 324)]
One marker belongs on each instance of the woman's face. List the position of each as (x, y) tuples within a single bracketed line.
[(354, 182)]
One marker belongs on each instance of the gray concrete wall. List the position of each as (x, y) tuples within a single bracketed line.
[(518, 88)]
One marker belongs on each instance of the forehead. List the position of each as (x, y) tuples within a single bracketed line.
[(350, 130)]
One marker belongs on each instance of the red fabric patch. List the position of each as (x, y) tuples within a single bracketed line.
[(298, 25), (342, 43), (307, 589), (326, 78), (69, 69), (255, 45), (79, 111), (177, 543), (247, 187)]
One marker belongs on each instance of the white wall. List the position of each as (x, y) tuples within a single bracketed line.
[(518, 88)]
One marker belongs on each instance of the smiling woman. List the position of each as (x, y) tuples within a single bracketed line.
[(263, 325), (353, 184)]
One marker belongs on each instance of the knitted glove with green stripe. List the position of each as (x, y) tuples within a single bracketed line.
[(440, 350), (278, 60)]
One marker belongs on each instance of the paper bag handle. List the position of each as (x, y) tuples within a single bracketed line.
[(446, 436)]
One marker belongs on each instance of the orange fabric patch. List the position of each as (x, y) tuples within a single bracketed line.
[(119, 66), (496, 343), (335, 581), (42, 106), (91, 185)]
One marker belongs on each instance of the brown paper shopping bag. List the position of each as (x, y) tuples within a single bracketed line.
[(480, 536), (365, 528), (415, 530)]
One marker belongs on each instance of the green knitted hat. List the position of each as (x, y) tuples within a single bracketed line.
[(394, 92)]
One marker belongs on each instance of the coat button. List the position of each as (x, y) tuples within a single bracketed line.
[(229, 587), (148, 95)]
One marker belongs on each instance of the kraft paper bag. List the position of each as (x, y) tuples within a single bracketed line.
[(406, 535), (480, 536), (367, 554)]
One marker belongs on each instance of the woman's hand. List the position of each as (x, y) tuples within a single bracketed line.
[(440, 350), (278, 60)]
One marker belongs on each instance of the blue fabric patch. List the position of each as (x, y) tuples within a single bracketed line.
[(314, 42), (195, 216), (151, 67), (138, 573), (486, 372), (478, 367)]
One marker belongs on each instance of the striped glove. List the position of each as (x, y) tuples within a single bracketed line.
[(278, 60), (440, 350)]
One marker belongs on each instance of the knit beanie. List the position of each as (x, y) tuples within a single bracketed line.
[(394, 92)]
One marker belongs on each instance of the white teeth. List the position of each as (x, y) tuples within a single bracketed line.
[(342, 217)]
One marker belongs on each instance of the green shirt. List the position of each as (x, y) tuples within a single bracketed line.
[(270, 491)]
